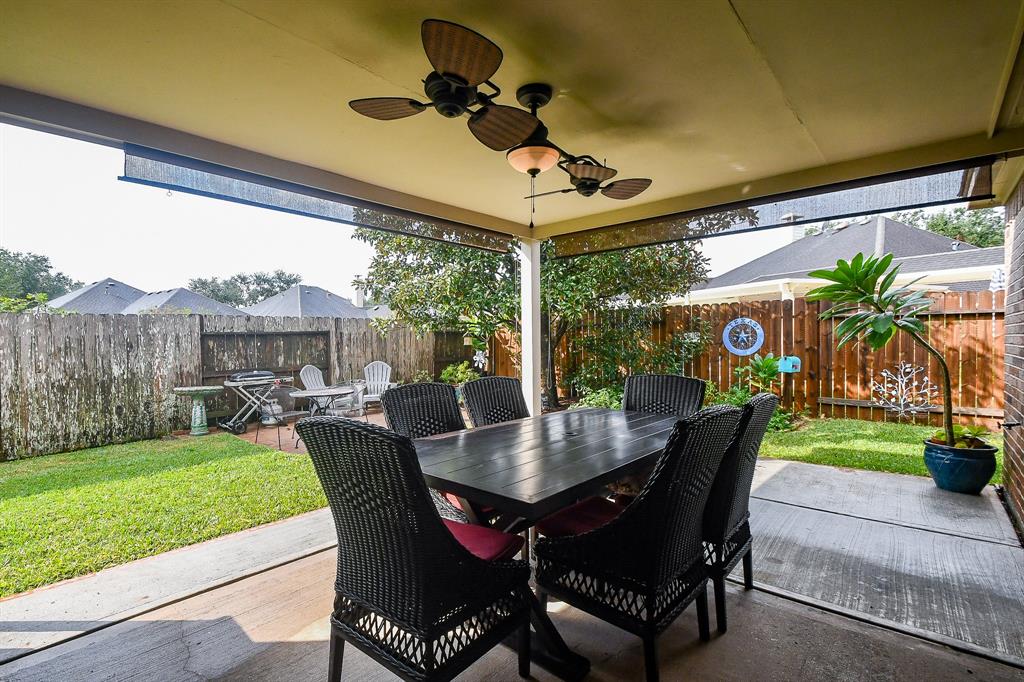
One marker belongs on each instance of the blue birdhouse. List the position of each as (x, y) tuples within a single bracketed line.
[(789, 364)]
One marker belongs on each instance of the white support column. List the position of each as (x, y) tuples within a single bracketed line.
[(529, 258)]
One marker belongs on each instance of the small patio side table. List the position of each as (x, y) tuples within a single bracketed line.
[(321, 399), (198, 395)]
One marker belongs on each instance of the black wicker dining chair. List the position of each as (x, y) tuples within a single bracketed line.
[(422, 596), (421, 410), (727, 536), (492, 400), (640, 570), (663, 394)]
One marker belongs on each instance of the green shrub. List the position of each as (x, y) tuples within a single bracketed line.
[(459, 374), (422, 376), (609, 397), (782, 420), (760, 372)]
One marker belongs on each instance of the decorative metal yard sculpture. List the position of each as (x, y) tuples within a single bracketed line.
[(906, 392)]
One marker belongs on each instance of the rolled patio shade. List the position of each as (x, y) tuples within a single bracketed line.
[(950, 183), (151, 167)]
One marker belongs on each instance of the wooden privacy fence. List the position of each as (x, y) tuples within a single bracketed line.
[(74, 381), (967, 327)]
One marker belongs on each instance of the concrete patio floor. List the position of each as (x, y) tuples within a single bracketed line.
[(859, 575), (273, 627), (894, 550)]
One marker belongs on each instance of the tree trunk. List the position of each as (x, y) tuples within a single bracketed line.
[(947, 388), (550, 376)]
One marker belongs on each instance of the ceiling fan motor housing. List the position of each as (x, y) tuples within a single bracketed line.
[(585, 186), (449, 100)]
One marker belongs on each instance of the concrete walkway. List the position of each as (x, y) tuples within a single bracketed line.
[(888, 550), (894, 550), (68, 609)]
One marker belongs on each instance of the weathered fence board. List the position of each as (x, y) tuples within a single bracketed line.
[(74, 381), (69, 382)]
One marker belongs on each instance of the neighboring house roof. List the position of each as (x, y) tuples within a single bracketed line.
[(930, 262), (306, 301), (179, 300), (824, 249), (104, 297), (376, 311)]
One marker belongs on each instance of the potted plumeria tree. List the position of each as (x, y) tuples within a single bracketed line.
[(874, 311)]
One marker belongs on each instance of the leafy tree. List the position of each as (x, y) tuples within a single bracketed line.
[(34, 302), (437, 285), (26, 273), (980, 227), (619, 342), (245, 288)]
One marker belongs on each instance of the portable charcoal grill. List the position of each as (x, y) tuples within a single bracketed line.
[(254, 388)]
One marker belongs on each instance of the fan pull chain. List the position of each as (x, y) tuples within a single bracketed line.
[(533, 199)]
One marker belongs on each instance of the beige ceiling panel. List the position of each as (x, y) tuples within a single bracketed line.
[(873, 76), (695, 95)]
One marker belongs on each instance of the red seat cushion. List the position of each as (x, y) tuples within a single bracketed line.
[(454, 499), (583, 516), (484, 542)]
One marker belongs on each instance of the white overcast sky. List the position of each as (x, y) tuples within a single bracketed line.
[(61, 198)]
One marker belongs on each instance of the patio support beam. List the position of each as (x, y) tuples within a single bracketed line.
[(529, 291)]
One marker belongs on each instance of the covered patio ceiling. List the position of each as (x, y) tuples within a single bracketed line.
[(716, 101)]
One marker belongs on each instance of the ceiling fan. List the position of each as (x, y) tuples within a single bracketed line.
[(586, 175), (463, 60)]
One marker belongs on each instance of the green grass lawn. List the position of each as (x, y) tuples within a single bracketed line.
[(878, 446), (66, 515)]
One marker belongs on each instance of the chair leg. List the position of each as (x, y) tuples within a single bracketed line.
[(702, 615), (650, 658), (542, 597), (337, 656), (748, 569), (719, 581), (524, 649)]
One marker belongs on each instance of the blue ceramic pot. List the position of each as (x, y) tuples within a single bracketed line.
[(961, 470)]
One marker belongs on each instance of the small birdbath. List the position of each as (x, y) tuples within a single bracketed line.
[(198, 395)]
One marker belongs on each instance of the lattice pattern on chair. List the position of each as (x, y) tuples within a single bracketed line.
[(724, 557), (642, 568), (493, 400), (407, 593), (668, 394)]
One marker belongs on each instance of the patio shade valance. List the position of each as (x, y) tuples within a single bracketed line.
[(950, 183), (179, 173)]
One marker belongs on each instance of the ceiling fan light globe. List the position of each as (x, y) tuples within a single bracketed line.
[(537, 158)]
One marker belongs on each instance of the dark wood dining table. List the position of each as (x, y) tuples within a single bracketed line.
[(536, 466), (530, 468)]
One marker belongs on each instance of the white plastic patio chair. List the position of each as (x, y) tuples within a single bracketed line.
[(378, 380)]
